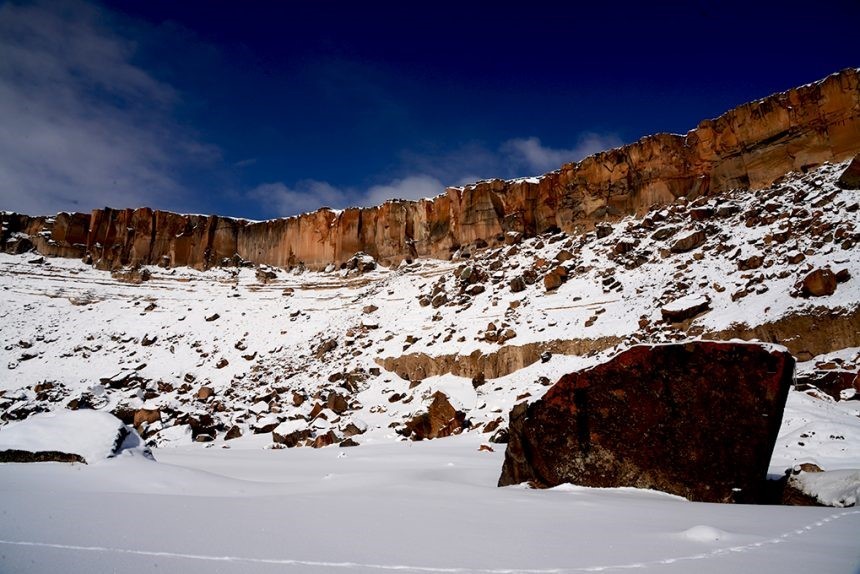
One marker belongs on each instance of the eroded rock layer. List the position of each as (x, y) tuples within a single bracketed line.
[(698, 420), (748, 147)]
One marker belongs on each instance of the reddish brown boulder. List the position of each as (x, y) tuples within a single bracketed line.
[(324, 440), (685, 308), (688, 241), (146, 416), (819, 283), (699, 420), (234, 433), (337, 403), (555, 278), (440, 420)]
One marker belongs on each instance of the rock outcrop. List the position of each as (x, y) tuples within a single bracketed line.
[(748, 147), (698, 420), (440, 420)]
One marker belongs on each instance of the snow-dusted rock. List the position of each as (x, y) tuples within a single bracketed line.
[(91, 435)]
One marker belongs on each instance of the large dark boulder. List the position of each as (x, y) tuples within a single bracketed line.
[(698, 419)]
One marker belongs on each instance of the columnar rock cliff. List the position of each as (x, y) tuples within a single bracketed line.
[(748, 147)]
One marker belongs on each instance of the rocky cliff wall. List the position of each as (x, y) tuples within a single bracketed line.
[(748, 147)]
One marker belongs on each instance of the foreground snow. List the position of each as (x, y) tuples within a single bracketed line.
[(409, 507)]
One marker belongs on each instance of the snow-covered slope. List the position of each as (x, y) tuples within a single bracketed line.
[(204, 353)]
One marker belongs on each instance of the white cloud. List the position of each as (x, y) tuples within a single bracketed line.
[(516, 157), (531, 154), (307, 195), (82, 126), (278, 199)]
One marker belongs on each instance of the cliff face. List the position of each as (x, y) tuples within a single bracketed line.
[(748, 147)]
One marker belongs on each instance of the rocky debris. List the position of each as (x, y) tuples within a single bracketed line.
[(360, 262), (265, 274), (212, 317), (555, 278), (440, 420), (838, 383), (337, 403), (688, 241), (204, 393), (439, 300), (291, 439), (122, 379), (18, 244), (513, 237), (818, 283), (325, 347), (685, 308), (146, 416), (327, 439), (850, 178), (603, 230), (645, 419), (517, 284), (134, 274), (233, 432)]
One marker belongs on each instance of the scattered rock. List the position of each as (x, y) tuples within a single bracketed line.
[(324, 347), (361, 262), (685, 308), (324, 440), (688, 241), (148, 416), (337, 403), (439, 300), (134, 275), (440, 420), (555, 278), (819, 283)]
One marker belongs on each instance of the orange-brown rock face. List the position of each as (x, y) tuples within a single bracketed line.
[(748, 147)]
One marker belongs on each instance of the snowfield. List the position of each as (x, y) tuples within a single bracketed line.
[(407, 507)]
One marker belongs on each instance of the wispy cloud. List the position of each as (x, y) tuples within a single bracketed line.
[(278, 199), (531, 154), (435, 171), (83, 126)]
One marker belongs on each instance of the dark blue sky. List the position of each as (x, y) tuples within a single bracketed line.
[(262, 108)]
